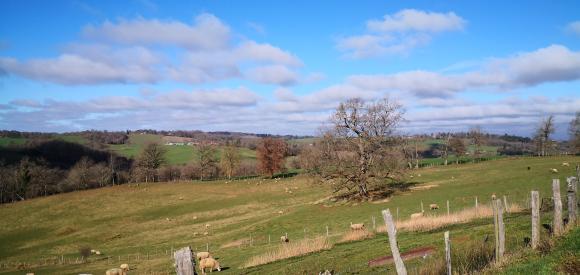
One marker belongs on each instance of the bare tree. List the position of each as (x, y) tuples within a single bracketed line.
[(458, 147), (478, 138), (151, 158), (271, 154), (574, 131), (446, 149), (360, 150), (230, 160), (545, 129), (207, 159)]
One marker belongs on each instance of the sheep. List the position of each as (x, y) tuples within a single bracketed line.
[(207, 225), (433, 206), (125, 266), (210, 263), (93, 251), (284, 239), (417, 215), (97, 252), (202, 255), (357, 226), (554, 170), (280, 212), (205, 233), (565, 164), (116, 271)]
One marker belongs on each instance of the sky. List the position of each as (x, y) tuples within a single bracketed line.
[(282, 67)]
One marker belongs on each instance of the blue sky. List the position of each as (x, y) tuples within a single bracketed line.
[(265, 66)]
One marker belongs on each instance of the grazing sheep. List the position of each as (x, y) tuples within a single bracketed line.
[(357, 226), (207, 225), (280, 212), (210, 263), (93, 251), (97, 252), (284, 239), (417, 215), (554, 170), (433, 206), (205, 233), (202, 255), (125, 266), (565, 164), (116, 271), (326, 272)]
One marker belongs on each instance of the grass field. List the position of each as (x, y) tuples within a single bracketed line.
[(176, 154), (9, 141), (149, 219)]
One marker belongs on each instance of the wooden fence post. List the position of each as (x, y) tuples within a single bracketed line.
[(558, 227), (448, 252), (392, 232), (374, 226), (572, 205), (501, 228), (535, 219), (184, 261), (422, 210), (447, 207)]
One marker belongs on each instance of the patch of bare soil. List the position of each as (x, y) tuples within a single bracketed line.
[(412, 254)]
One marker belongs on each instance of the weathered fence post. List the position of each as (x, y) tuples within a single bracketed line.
[(501, 228), (397, 213), (448, 252), (447, 207), (327, 231), (422, 210), (184, 261), (535, 219), (269, 239), (558, 227), (572, 205), (392, 232), (207, 247), (374, 226)]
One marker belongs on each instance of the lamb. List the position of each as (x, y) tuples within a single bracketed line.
[(417, 215), (357, 226), (565, 164), (433, 206), (203, 255), (210, 263), (554, 170)]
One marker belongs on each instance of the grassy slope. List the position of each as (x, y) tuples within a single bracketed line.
[(9, 141), (123, 220)]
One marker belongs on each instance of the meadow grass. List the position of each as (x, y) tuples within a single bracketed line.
[(131, 221)]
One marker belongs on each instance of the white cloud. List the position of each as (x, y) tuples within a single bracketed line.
[(415, 20), (398, 33), (274, 74), (554, 63), (574, 27), (207, 32), (149, 51)]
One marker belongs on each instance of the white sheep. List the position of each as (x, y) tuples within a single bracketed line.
[(202, 255), (207, 225), (284, 239), (97, 252), (125, 266), (417, 215), (433, 206), (210, 263), (554, 170), (565, 164), (357, 226)]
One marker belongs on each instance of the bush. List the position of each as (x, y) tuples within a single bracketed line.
[(85, 251)]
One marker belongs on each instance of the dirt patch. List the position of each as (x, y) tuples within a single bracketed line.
[(236, 243), (412, 254), (423, 187)]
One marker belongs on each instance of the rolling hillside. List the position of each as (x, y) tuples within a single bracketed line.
[(141, 223)]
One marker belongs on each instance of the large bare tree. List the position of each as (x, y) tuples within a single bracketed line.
[(457, 146), (478, 138), (151, 159), (360, 148), (207, 159)]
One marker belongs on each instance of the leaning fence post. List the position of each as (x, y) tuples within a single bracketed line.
[(392, 232), (558, 227), (572, 205), (448, 252), (535, 219)]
